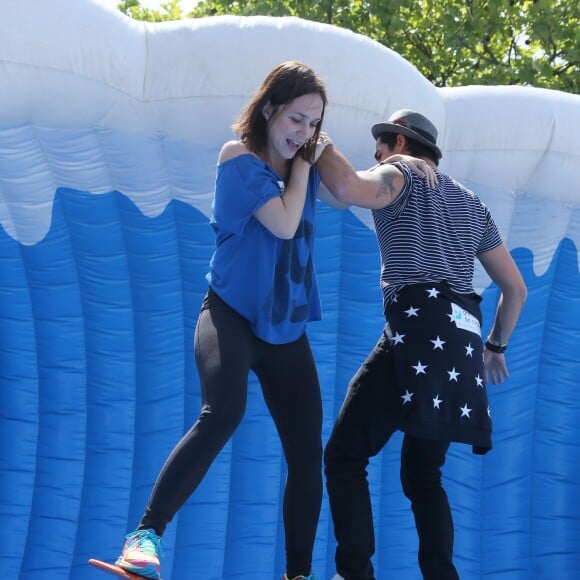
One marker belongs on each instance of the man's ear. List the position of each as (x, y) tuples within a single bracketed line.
[(401, 142)]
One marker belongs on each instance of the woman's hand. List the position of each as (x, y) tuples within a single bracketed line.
[(419, 167), (323, 142)]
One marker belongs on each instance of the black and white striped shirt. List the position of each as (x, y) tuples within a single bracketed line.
[(432, 235)]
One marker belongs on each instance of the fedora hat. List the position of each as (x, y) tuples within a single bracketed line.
[(412, 125)]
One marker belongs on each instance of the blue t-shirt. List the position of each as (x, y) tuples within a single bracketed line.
[(269, 281)]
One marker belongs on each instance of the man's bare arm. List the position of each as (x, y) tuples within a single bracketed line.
[(499, 264), (374, 189)]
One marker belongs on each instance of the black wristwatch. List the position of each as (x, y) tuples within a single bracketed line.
[(495, 347)]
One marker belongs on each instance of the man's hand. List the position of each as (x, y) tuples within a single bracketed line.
[(420, 167), (494, 367)]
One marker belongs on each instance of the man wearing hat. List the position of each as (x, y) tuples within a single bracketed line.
[(421, 133), (427, 376)]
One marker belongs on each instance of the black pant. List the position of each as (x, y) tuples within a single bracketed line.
[(369, 416), (225, 351)]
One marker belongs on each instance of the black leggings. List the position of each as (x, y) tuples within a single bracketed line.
[(225, 351)]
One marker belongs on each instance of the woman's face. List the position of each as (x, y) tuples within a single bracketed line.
[(293, 125)]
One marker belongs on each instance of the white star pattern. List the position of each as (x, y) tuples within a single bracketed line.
[(432, 347), (412, 311), (419, 368), (398, 338)]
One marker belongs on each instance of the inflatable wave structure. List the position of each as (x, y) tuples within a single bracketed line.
[(109, 135)]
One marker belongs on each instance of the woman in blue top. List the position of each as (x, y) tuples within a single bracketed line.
[(262, 292)]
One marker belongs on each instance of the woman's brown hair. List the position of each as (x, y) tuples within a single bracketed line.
[(283, 84)]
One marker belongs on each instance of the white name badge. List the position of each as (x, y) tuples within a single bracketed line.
[(464, 319)]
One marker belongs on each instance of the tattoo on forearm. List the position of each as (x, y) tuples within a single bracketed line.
[(387, 188)]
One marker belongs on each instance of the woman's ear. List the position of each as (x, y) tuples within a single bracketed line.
[(267, 110)]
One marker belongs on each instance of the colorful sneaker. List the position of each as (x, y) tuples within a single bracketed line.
[(311, 577), (141, 554)]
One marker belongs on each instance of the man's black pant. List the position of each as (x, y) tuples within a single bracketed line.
[(369, 416)]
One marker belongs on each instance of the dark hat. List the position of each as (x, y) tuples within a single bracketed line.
[(413, 125)]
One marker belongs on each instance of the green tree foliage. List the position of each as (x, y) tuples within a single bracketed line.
[(452, 42), (170, 10)]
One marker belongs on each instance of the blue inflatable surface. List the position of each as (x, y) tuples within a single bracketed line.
[(109, 136)]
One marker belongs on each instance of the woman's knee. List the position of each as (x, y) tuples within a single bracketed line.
[(305, 457), (224, 418)]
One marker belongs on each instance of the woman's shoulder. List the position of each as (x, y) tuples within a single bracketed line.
[(234, 149)]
